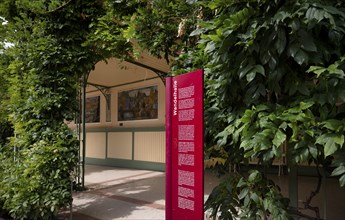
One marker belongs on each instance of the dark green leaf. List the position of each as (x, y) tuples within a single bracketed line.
[(331, 143), (342, 181), (243, 193), (280, 43), (307, 42), (301, 57), (279, 138)]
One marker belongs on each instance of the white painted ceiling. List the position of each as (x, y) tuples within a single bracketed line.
[(116, 72)]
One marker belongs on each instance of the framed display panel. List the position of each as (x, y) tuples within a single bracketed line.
[(138, 104), (92, 114)]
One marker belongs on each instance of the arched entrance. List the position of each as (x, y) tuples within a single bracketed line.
[(124, 115)]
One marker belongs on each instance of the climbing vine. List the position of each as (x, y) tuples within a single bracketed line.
[(42, 68), (274, 79)]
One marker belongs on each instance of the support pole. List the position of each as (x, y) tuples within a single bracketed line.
[(324, 187), (293, 186), (83, 130)]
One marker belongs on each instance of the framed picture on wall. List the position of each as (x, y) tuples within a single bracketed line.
[(92, 109), (138, 104)]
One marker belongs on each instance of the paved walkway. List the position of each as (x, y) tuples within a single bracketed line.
[(118, 193)]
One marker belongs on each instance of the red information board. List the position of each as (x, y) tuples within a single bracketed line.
[(184, 147)]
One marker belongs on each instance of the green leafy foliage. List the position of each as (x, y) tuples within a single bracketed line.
[(5, 126), (161, 27), (274, 82), (258, 197), (38, 184), (50, 52), (274, 79)]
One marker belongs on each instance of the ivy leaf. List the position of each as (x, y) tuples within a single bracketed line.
[(197, 32), (210, 46), (333, 69), (259, 69), (315, 13), (239, 18), (250, 75), (331, 142), (342, 180), (301, 57), (279, 138), (245, 70), (191, 1), (304, 90), (214, 38), (267, 204), (247, 117), (265, 56), (305, 105), (333, 124), (243, 193), (318, 70), (338, 171), (313, 152), (255, 197), (254, 176), (281, 16), (293, 49), (214, 161), (280, 43)]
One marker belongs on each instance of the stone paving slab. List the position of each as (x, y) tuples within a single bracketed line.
[(118, 193)]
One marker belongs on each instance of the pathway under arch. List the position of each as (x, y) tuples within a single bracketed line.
[(123, 113)]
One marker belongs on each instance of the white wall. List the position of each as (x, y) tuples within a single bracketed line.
[(96, 145), (149, 146), (120, 145), (139, 145), (129, 140)]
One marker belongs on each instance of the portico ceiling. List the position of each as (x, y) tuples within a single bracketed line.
[(116, 72)]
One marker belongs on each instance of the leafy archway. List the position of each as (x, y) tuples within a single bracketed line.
[(274, 80)]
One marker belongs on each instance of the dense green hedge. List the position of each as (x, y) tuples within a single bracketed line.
[(42, 71), (37, 183)]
